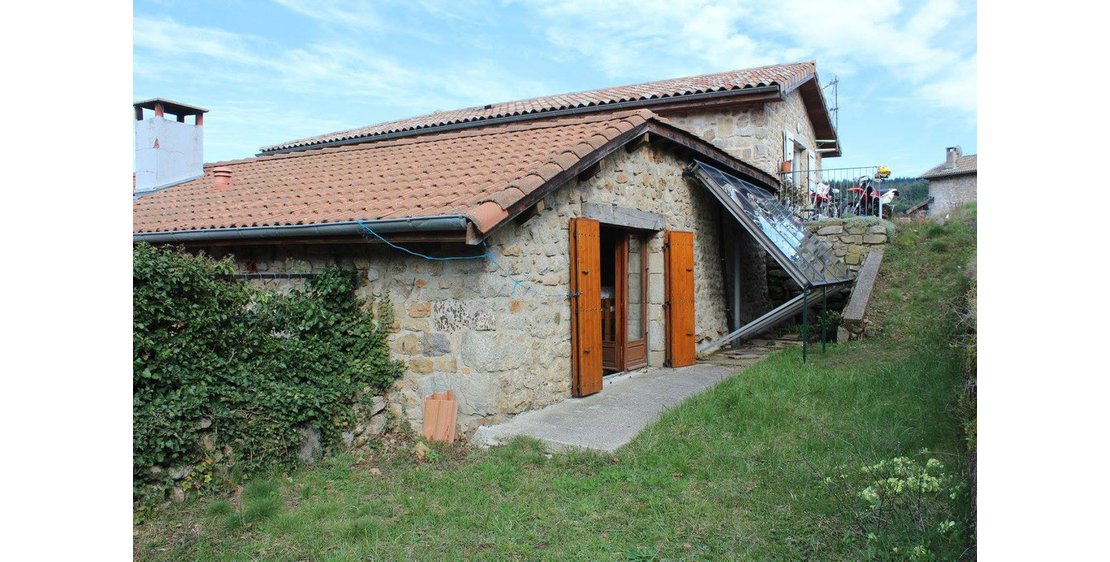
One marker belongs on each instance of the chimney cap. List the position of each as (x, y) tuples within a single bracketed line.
[(170, 106)]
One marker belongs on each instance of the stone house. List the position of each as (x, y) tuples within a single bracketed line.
[(527, 247), (952, 183)]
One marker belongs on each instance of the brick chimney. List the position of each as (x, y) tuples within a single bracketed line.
[(954, 153), (168, 151)]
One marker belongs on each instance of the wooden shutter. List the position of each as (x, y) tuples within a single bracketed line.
[(679, 278), (585, 306)]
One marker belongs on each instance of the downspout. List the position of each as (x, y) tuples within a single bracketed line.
[(346, 228)]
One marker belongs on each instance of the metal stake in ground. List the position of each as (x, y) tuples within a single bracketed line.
[(805, 322), (824, 316)]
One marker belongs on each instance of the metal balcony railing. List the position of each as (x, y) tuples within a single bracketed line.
[(835, 192)]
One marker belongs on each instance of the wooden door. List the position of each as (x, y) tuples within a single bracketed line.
[(585, 306), (679, 278)]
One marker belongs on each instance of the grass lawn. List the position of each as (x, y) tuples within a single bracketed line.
[(737, 472)]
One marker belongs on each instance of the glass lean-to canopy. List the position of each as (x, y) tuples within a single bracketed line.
[(809, 260)]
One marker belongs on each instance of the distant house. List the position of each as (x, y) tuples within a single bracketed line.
[(952, 182), (528, 247)]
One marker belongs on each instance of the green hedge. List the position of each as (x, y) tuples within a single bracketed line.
[(243, 368)]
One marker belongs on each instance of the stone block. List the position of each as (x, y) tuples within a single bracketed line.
[(453, 316), (831, 229), (876, 229), (421, 365), (445, 364), (420, 309), (656, 288), (874, 238), (492, 351), (410, 344), (852, 239), (436, 344), (412, 324), (311, 449)]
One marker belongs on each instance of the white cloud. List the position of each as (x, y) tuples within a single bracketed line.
[(335, 67), (170, 38), (918, 47), (344, 13)]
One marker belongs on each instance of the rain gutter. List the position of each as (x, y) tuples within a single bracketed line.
[(346, 228)]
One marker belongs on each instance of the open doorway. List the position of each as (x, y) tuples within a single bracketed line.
[(623, 299)]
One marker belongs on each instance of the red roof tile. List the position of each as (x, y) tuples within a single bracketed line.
[(786, 76), (964, 165), (479, 173)]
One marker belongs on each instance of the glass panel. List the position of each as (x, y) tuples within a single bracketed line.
[(635, 288), (791, 243)]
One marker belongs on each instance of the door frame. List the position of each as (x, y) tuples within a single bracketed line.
[(642, 342), (619, 347)]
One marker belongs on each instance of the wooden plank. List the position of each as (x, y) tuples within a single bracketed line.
[(679, 258), (865, 283), (585, 287)]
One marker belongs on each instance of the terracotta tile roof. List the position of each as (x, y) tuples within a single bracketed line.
[(964, 165), (786, 76), (479, 173)]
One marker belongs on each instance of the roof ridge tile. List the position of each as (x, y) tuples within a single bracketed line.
[(785, 75)]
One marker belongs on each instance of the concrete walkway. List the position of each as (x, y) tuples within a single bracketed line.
[(625, 406), (612, 417)]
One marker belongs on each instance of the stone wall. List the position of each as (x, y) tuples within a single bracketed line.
[(853, 238), (497, 332), (951, 192), (754, 133)]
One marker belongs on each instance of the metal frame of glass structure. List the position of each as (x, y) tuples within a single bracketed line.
[(809, 261)]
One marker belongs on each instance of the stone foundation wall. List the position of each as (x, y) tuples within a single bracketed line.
[(853, 238), (497, 332)]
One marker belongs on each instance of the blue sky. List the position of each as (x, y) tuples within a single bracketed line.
[(275, 71)]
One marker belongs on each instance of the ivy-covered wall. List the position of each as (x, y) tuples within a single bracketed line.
[(230, 379)]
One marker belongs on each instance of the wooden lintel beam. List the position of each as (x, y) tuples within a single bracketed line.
[(637, 143), (590, 171), (768, 97)]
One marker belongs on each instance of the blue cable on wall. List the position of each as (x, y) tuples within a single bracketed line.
[(486, 255)]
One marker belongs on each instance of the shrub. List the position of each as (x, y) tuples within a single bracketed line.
[(221, 366), (904, 508)]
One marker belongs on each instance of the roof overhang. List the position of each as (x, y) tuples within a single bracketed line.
[(655, 130), (814, 100), (728, 98), (489, 214), (351, 229), (952, 174)]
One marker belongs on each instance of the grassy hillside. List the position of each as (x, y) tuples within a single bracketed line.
[(779, 462)]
